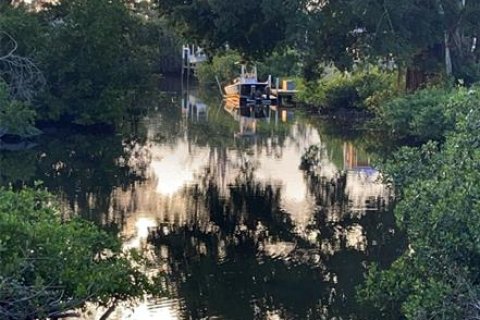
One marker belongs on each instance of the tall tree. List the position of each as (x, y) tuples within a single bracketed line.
[(424, 37), (252, 27)]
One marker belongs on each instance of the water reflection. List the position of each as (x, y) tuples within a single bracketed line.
[(247, 117), (83, 169), (194, 108), (219, 200), (244, 234)]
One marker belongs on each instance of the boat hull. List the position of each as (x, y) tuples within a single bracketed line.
[(249, 94), (232, 90)]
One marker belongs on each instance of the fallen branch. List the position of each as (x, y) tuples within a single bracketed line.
[(109, 311)]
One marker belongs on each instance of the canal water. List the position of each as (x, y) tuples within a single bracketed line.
[(226, 211)]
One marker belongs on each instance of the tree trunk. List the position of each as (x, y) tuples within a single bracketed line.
[(401, 77), (414, 79), (448, 56)]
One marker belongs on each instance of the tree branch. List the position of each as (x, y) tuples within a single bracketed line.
[(21, 74), (15, 46)]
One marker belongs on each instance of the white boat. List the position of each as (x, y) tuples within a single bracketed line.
[(247, 90)]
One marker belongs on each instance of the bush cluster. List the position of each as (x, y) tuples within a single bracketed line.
[(16, 117), (50, 266), (223, 66), (427, 114), (361, 90), (96, 57), (437, 277)]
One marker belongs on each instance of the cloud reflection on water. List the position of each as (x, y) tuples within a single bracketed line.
[(323, 211)]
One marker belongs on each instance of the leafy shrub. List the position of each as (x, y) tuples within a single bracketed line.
[(427, 114), (98, 61), (90, 66), (360, 90), (96, 56), (224, 66), (50, 266), (420, 114), (284, 64), (309, 93), (468, 73), (437, 277), (341, 93), (26, 27), (16, 117)]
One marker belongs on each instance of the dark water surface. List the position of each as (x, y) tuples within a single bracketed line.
[(218, 199)]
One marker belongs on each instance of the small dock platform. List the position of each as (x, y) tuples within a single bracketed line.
[(285, 92), (192, 56), (277, 96), (284, 95), (243, 101)]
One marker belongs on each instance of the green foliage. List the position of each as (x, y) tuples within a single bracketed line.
[(16, 118), (72, 261), (282, 64), (97, 57), (89, 66), (437, 278), (412, 31), (407, 163), (251, 27), (427, 114), (224, 66), (468, 73), (25, 27), (420, 115), (359, 90)]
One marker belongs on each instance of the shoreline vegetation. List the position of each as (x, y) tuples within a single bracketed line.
[(80, 62), (41, 257), (407, 71)]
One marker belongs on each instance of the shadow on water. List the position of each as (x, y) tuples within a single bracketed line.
[(82, 169), (217, 196)]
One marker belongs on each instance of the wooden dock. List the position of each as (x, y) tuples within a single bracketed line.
[(192, 56), (285, 92), (279, 96)]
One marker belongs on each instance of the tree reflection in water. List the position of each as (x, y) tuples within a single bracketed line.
[(83, 169), (242, 256), (241, 232)]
